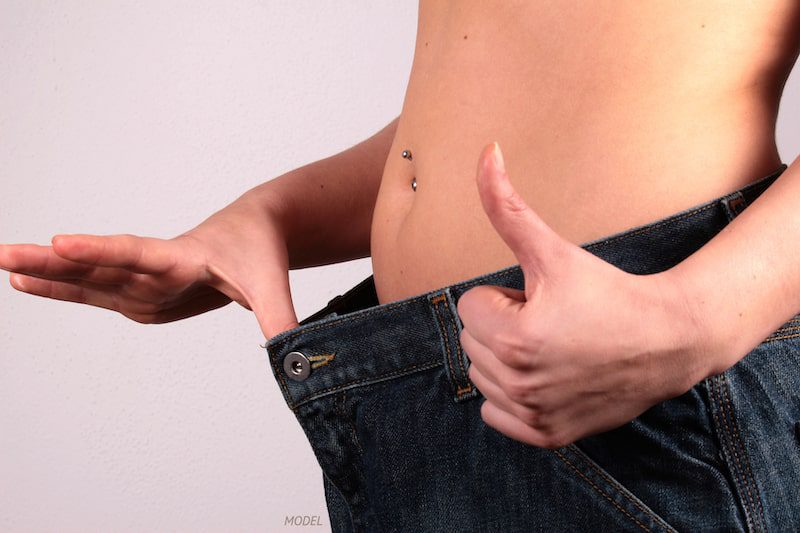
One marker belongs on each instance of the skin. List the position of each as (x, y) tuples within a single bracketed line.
[(609, 116)]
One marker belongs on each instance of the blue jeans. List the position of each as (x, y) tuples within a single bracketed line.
[(383, 395)]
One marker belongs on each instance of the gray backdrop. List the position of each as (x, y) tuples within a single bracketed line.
[(144, 118)]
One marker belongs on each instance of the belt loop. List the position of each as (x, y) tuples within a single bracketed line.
[(733, 203), (455, 360)]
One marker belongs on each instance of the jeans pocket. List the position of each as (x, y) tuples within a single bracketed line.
[(756, 411), (611, 490), (671, 460)]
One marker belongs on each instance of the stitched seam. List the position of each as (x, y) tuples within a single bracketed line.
[(784, 330), (443, 332), (745, 460), (612, 482), (726, 414), (724, 435), (406, 370), (769, 339), (651, 228), (464, 384), (599, 491)]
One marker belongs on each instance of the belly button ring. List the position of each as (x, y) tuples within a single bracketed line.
[(407, 155)]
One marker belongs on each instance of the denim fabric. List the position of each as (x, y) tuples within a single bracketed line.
[(395, 424)]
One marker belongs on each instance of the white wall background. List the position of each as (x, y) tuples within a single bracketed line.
[(145, 117)]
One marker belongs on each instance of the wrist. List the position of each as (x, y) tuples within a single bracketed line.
[(690, 328)]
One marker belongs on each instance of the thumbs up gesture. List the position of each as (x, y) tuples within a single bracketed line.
[(585, 347)]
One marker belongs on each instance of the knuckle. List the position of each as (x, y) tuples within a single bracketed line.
[(512, 355), (514, 202), (517, 390), (531, 417), (516, 348), (552, 440)]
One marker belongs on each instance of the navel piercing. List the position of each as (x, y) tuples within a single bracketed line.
[(406, 154), (414, 183)]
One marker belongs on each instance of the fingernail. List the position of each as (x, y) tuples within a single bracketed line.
[(16, 282), (498, 157)]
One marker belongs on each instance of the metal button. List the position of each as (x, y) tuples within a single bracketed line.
[(297, 366)]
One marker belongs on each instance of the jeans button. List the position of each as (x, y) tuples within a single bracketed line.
[(297, 366)]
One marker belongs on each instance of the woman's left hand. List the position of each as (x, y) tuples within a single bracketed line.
[(586, 347)]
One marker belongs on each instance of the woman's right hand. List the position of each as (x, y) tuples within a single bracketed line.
[(237, 254)]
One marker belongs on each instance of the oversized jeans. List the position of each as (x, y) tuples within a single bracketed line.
[(383, 395)]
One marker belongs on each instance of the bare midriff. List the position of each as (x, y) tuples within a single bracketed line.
[(610, 114)]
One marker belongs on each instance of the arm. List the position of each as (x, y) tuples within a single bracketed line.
[(744, 283), (317, 214), (325, 208)]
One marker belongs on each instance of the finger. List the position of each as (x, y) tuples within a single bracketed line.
[(66, 291), (492, 391), (43, 262), (484, 359), (271, 302), (83, 292), (511, 426), (144, 255), (528, 236), (491, 313), (200, 304)]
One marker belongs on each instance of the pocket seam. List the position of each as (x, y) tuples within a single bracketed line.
[(734, 453), (612, 485)]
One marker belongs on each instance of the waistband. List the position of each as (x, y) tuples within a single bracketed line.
[(354, 341)]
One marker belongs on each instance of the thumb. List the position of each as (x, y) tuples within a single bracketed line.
[(487, 311), (528, 236)]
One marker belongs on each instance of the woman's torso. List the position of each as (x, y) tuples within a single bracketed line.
[(610, 114)]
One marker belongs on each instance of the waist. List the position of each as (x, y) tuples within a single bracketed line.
[(436, 232), (326, 352)]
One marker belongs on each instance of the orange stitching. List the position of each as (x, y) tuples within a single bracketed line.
[(602, 474), (739, 474), (333, 388), (782, 337), (443, 332), (437, 299), (599, 491), (468, 385), (322, 359), (783, 330), (745, 460)]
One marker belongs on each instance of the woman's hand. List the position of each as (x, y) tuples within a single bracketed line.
[(238, 254), (586, 347)]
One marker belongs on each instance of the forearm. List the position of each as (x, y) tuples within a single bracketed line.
[(325, 208), (745, 282)]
